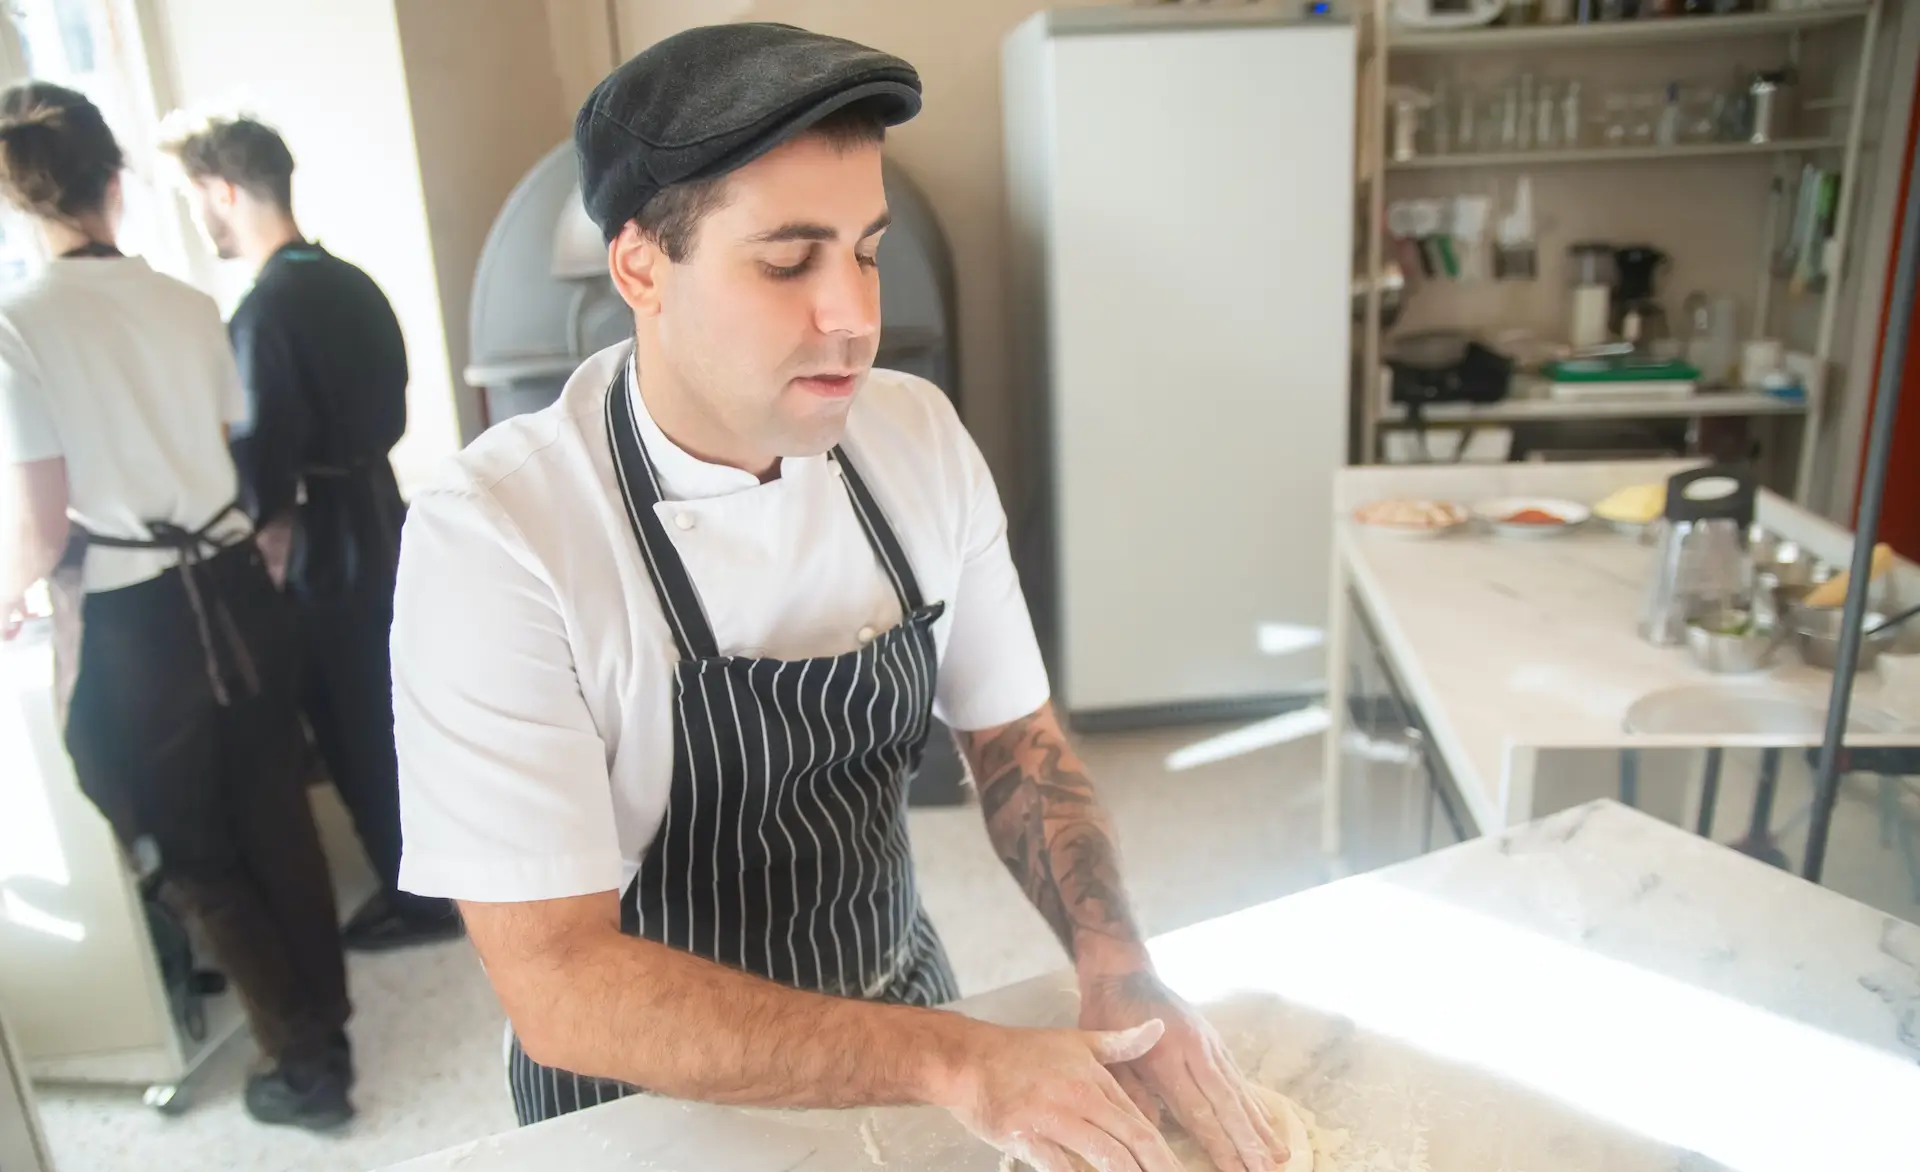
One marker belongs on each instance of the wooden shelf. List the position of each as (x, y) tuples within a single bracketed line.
[(1626, 154), (1706, 404), (1666, 30)]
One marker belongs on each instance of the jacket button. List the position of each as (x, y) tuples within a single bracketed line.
[(865, 634), (683, 520)]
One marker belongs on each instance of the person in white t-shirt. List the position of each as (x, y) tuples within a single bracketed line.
[(665, 656), (176, 655)]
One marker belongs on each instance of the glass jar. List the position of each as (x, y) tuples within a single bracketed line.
[(1616, 116)]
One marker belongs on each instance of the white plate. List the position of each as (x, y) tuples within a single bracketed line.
[(1494, 513), (1412, 532), (1735, 710), (1643, 533)]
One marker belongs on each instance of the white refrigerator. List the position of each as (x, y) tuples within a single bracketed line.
[(1180, 196)]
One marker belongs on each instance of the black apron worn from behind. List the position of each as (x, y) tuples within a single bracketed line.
[(227, 659), (783, 850), (229, 662), (178, 712)]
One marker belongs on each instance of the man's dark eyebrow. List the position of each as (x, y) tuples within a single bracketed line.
[(787, 233)]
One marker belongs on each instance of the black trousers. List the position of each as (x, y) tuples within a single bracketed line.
[(217, 790), (347, 691)]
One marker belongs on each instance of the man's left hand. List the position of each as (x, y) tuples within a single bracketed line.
[(1190, 1072), (275, 539)]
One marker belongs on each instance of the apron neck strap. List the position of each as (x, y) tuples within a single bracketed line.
[(639, 483), (640, 491), (880, 535)]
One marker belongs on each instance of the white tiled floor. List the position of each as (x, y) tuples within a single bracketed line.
[(1196, 845), (427, 1031)]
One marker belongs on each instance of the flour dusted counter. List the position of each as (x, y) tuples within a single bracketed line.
[(1597, 992)]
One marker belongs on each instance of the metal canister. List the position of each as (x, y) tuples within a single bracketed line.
[(1763, 93)]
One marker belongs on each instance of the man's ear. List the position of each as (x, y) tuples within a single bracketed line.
[(638, 267), (225, 194)]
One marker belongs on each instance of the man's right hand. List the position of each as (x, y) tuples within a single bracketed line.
[(586, 998), (1039, 1095)]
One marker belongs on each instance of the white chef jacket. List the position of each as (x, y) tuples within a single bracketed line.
[(126, 374), (533, 671)]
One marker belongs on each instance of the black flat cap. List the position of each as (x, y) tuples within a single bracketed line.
[(708, 100)]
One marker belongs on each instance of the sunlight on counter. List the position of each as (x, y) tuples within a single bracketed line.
[(1676, 1063)]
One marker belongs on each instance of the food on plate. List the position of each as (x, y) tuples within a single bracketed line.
[(1635, 505), (1532, 517), (1410, 514)]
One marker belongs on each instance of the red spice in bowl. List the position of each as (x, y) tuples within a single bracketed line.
[(1532, 517)]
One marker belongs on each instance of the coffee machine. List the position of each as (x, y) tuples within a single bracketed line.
[(1637, 315)]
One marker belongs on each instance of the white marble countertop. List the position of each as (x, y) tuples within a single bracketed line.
[(1596, 992), (1509, 645)]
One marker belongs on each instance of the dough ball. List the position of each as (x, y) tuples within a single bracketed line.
[(1288, 1123)]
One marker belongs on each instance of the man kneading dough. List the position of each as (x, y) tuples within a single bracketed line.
[(666, 654)]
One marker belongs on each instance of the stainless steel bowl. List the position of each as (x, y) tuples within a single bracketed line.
[(1728, 654), (1817, 633)]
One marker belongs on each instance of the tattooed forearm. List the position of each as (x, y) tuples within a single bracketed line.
[(1049, 829)]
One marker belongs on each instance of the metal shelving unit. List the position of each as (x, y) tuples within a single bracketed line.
[(1628, 154), (1668, 31), (1704, 405), (1382, 44), (1873, 489)]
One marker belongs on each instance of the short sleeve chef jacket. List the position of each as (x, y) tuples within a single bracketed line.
[(533, 669), (124, 373)]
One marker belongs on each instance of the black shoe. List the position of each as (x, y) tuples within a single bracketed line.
[(300, 1095), (378, 927), (340, 1055)]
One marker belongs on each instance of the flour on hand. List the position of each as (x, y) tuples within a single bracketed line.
[(870, 1139), (1288, 1118), (1289, 1121)]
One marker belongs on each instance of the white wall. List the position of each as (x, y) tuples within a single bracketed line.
[(581, 46), (486, 105), (330, 77)]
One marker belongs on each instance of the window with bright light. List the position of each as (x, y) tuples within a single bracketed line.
[(93, 46)]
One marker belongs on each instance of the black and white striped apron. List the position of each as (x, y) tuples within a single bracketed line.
[(783, 849)]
